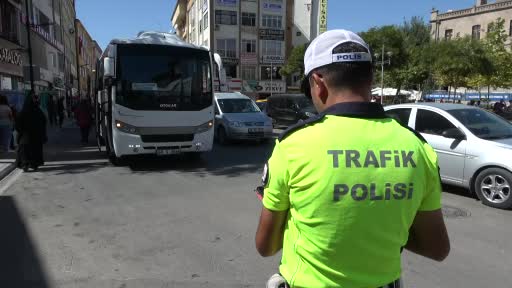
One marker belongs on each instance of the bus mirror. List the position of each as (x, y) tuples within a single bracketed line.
[(109, 81), (108, 67)]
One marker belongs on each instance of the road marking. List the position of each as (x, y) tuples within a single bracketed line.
[(9, 180)]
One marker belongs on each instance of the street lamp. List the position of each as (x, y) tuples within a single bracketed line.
[(271, 70), (382, 63)]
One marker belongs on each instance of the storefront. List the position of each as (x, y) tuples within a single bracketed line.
[(11, 72)]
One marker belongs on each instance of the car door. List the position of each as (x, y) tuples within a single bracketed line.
[(451, 152), (290, 114), (401, 115)]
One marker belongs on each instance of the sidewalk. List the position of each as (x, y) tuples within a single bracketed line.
[(7, 160)]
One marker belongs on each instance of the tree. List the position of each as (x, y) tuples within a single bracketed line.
[(459, 60), (495, 45), (409, 44), (295, 63)]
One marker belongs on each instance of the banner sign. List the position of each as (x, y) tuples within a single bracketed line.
[(249, 58), (323, 16)]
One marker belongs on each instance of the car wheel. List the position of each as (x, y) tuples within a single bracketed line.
[(222, 136), (493, 187)]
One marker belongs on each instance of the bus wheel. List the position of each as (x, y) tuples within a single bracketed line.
[(222, 136)]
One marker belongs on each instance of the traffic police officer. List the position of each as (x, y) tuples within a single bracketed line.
[(346, 191)]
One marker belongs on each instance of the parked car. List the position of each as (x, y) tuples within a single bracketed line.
[(262, 104), (288, 109), (238, 117), (474, 146)]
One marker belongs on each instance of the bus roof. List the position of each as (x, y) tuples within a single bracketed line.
[(158, 38)]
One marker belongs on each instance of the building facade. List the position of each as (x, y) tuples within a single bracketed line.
[(11, 49), (88, 52), (253, 37), (67, 8), (472, 21)]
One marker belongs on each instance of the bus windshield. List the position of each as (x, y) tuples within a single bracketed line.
[(160, 77)]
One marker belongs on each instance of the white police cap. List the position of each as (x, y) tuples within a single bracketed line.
[(320, 51)]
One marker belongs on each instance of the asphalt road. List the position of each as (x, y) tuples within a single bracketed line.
[(80, 222)]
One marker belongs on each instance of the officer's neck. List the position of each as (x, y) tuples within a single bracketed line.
[(346, 95)]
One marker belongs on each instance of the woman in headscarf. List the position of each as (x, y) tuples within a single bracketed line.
[(31, 128)]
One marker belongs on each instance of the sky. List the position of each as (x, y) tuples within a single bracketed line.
[(107, 19)]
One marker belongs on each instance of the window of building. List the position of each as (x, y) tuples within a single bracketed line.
[(205, 20), (267, 75), (299, 34), (8, 22), (448, 34), (200, 25), (230, 70), (249, 72), (272, 21), (475, 34), (248, 46), (430, 122), (226, 47), (510, 29), (225, 17), (271, 47), (248, 19)]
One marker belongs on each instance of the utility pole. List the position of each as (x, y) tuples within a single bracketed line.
[(29, 45)]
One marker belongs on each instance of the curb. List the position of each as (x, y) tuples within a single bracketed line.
[(7, 170)]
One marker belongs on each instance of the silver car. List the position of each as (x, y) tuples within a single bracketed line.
[(474, 146), (238, 117)]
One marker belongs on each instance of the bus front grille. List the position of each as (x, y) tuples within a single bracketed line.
[(167, 138)]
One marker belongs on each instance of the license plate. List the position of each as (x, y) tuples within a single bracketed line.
[(163, 152), (255, 130)]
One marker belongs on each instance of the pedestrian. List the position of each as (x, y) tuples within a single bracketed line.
[(478, 103), (6, 122), (341, 196), (60, 111), (84, 120), (31, 128), (499, 107), (52, 113)]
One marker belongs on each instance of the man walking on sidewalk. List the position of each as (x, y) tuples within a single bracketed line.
[(84, 120)]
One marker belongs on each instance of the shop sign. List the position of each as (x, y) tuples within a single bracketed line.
[(227, 2), (249, 58), (5, 83), (229, 60), (272, 34), (10, 57), (272, 59), (272, 6), (264, 86)]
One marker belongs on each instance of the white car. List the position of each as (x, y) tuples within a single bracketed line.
[(238, 117), (474, 146)]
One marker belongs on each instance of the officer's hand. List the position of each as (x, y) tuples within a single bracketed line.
[(428, 236)]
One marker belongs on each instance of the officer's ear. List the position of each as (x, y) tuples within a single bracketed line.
[(319, 89)]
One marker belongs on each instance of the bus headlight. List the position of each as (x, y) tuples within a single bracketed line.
[(126, 128), (205, 127)]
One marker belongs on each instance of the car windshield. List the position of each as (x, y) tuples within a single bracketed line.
[(483, 124), (238, 106), (303, 102)]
